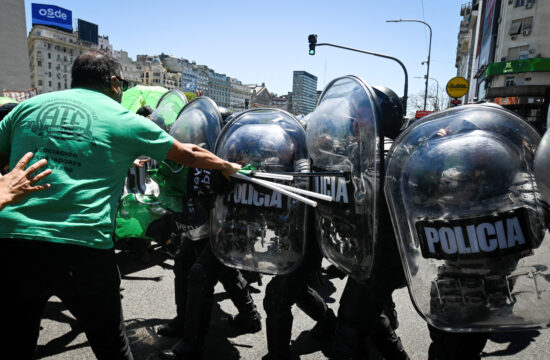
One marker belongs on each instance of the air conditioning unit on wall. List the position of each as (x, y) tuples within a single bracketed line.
[(526, 32)]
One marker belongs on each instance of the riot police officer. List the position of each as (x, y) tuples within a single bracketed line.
[(196, 269), (263, 231), (461, 191), (361, 122)]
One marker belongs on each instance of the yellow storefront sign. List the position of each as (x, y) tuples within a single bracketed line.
[(457, 87)]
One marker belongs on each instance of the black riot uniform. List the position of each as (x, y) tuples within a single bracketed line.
[(356, 234), (197, 270), (283, 291), (264, 231), (362, 305)]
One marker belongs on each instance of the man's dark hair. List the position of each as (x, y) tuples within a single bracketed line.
[(145, 111), (5, 109), (93, 70)]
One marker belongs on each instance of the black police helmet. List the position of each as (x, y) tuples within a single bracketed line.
[(391, 109)]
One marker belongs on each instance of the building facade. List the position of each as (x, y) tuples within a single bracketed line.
[(260, 97), (14, 54), (239, 96), (51, 55), (506, 55), (304, 92)]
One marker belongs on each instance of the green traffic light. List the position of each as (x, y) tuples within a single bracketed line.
[(312, 52)]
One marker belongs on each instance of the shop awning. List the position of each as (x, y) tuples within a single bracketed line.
[(518, 66)]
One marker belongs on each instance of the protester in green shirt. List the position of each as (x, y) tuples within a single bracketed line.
[(59, 242)]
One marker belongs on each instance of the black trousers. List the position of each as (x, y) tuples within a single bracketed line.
[(283, 291), (361, 314), (85, 279), (197, 270)]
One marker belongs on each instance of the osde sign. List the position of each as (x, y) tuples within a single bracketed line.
[(52, 13)]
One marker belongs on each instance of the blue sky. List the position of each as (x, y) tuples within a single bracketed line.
[(258, 41)]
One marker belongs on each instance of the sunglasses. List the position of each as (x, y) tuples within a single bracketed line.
[(123, 83)]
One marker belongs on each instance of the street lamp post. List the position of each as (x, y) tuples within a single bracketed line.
[(313, 43), (437, 91), (429, 53)]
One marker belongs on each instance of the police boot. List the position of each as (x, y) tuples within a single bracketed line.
[(173, 328), (387, 342), (278, 333), (182, 351), (348, 342), (248, 319), (250, 322)]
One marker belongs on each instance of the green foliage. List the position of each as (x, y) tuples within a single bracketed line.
[(190, 96)]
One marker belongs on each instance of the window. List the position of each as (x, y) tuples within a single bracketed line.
[(50, 75), (49, 54), (49, 83), (518, 52), (524, 52), (58, 86), (520, 3), (510, 81), (527, 25), (49, 65), (39, 63), (39, 82)]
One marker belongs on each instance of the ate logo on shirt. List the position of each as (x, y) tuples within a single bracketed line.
[(64, 119)]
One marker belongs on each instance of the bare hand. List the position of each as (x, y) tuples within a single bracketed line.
[(18, 183), (231, 169), (140, 162)]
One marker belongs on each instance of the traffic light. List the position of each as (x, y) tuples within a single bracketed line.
[(312, 42)]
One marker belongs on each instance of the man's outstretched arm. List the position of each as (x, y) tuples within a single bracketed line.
[(197, 157)]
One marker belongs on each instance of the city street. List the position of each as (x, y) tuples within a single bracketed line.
[(148, 302)]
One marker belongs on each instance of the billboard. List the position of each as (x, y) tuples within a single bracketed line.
[(51, 15), (488, 32), (87, 31)]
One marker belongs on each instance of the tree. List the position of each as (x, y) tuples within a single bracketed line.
[(190, 96), (436, 101)]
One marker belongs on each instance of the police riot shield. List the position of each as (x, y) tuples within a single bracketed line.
[(168, 108), (469, 219), (198, 123), (254, 228), (542, 166), (344, 142)]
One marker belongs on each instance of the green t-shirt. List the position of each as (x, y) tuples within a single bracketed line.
[(90, 142)]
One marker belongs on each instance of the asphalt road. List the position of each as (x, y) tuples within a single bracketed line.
[(148, 302)]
